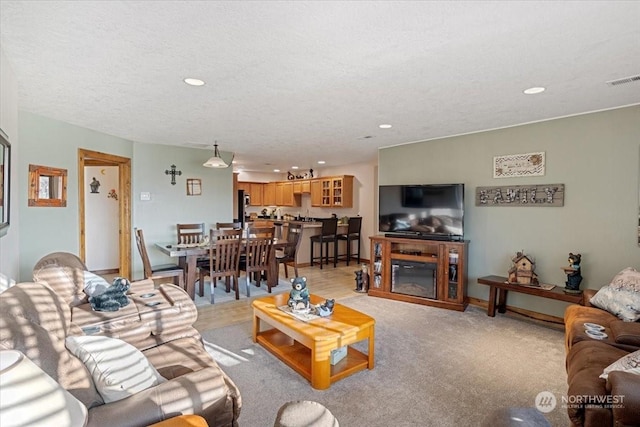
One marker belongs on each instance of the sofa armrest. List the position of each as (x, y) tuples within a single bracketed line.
[(141, 286), (204, 392), (625, 392), (587, 294)]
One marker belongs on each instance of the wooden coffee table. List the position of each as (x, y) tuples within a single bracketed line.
[(306, 346)]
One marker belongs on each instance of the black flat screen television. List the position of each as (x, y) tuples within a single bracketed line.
[(430, 210)]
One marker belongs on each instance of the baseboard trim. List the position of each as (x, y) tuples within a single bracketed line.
[(521, 311)]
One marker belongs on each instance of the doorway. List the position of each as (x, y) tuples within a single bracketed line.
[(88, 158)]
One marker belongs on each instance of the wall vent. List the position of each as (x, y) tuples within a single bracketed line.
[(624, 80)]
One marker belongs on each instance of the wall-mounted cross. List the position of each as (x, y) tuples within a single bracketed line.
[(173, 172)]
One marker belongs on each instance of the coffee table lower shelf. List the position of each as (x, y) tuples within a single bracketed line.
[(298, 357)]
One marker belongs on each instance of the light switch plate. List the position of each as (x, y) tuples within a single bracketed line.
[(145, 195)]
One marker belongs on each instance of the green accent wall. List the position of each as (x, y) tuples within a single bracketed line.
[(596, 156), (49, 142)]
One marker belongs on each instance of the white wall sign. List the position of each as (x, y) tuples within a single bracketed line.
[(518, 165)]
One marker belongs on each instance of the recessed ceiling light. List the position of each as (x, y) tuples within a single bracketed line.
[(385, 126), (534, 90), (194, 82), (276, 170), (295, 167), (321, 162)]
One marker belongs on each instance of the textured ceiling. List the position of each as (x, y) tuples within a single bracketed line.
[(289, 83)]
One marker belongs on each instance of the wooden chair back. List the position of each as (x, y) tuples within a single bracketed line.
[(260, 223), (258, 248), (228, 225), (190, 233), (329, 226), (289, 252), (294, 235), (224, 257), (354, 225), (142, 249)]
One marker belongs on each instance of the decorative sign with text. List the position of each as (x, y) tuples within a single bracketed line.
[(518, 165), (543, 195)]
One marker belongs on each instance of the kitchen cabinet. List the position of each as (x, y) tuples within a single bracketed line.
[(254, 190), (288, 198), (269, 194), (284, 194), (333, 191), (302, 187), (316, 193)]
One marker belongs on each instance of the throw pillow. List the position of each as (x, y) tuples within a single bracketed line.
[(119, 370), (628, 279), (629, 363), (94, 285), (620, 302)]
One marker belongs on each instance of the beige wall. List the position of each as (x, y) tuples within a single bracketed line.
[(596, 156), (10, 243)]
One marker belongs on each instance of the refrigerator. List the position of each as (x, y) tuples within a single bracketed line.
[(241, 207)]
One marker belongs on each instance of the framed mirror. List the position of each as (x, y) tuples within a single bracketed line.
[(47, 186), (5, 173)]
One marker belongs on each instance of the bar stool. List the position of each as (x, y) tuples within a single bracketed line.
[(328, 234), (353, 233)]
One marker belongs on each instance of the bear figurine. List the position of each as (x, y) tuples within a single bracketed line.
[(574, 277), (299, 295), (326, 308), (113, 297)]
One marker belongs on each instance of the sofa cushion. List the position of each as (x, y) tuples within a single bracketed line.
[(627, 333), (35, 321), (64, 273), (629, 363), (119, 370), (618, 301), (585, 362)]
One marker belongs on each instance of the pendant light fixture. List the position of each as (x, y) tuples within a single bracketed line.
[(216, 161)]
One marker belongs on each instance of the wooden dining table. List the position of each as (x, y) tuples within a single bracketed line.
[(188, 257)]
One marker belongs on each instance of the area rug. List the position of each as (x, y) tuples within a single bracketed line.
[(221, 296), (434, 367)]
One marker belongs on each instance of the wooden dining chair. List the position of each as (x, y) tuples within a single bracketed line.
[(154, 272), (224, 261), (258, 248), (289, 253), (228, 225), (189, 234)]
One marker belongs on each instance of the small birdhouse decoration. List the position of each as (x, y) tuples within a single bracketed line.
[(521, 272)]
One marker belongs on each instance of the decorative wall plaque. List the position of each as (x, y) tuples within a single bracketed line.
[(518, 165), (544, 195)]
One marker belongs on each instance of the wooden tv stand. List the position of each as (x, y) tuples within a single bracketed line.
[(447, 259)]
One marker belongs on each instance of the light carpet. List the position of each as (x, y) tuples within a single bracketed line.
[(434, 367), (221, 296)]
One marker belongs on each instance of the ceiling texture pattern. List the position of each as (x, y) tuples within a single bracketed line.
[(289, 83)]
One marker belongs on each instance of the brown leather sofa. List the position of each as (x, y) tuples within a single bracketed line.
[(37, 317), (587, 401)]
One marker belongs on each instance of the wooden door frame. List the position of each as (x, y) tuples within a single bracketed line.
[(96, 158)]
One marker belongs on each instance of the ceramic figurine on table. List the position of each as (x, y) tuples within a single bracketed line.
[(326, 308), (299, 295), (574, 276)]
